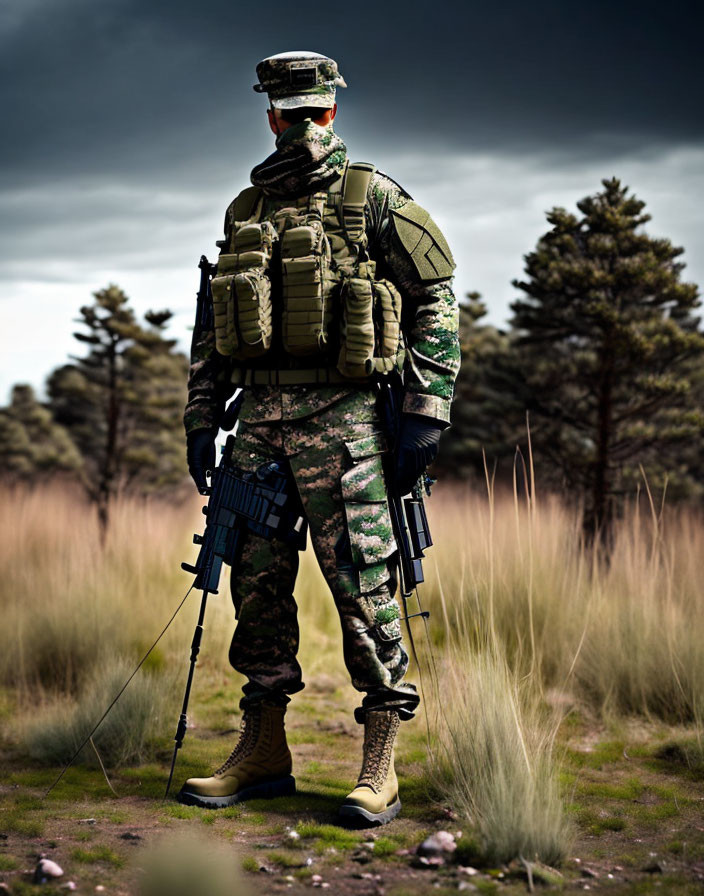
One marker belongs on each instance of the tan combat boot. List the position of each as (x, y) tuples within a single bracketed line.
[(258, 767), (374, 801)]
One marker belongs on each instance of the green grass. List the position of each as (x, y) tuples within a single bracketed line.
[(326, 835), (250, 864), (8, 863), (596, 822), (285, 859), (16, 822), (384, 847), (100, 853)]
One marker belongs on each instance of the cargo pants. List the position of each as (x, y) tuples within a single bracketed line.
[(335, 457)]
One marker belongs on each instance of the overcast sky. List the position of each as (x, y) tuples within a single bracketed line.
[(130, 125)]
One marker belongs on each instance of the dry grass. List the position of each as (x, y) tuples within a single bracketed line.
[(622, 636), (525, 617), (122, 738), (494, 759)]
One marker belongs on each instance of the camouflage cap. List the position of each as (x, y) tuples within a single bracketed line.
[(299, 78)]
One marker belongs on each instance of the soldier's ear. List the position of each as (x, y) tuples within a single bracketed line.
[(273, 123), (333, 112)]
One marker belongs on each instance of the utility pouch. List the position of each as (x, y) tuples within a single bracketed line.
[(356, 358), (305, 260), (370, 331), (242, 293), (387, 319)]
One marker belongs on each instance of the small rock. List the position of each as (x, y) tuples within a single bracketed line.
[(128, 835), (617, 868), (589, 872), (428, 861), (317, 879), (458, 835), (87, 821), (468, 870), (69, 885), (294, 835), (290, 878), (46, 870), (466, 886), (368, 845), (438, 844)]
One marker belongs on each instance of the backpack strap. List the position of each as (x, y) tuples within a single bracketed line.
[(354, 198)]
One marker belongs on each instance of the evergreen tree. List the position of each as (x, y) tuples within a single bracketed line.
[(122, 402), (486, 418), (32, 445), (606, 344)]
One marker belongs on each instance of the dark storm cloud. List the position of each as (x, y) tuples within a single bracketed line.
[(129, 125), (138, 88)]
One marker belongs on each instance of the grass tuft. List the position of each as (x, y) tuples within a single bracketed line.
[(495, 762), (122, 738)]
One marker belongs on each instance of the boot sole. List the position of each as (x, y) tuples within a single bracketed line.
[(356, 816), (265, 790)]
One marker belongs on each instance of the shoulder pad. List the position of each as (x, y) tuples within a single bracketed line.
[(243, 205), (421, 237)]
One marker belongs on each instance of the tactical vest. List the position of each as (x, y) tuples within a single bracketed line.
[(295, 275)]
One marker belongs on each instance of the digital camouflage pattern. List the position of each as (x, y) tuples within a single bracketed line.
[(429, 321), (331, 437), (308, 158), (299, 78), (336, 461)]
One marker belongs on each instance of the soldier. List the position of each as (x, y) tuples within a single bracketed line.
[(329, 277)]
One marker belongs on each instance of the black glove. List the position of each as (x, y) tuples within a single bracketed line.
[(200, 454), (419, 440)]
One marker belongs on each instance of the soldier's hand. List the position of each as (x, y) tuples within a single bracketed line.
[(419, 440), (200, 454)]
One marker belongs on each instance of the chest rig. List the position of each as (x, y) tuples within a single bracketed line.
[(294, 278)]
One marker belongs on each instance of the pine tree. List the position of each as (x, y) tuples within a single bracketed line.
[(32, 446), (486, 419), (606, 344), (122, 402)]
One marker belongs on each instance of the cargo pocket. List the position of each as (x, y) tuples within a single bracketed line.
[(371, 534), (305, 258), (242, 294)]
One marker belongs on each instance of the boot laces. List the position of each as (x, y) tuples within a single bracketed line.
[(249, 731), (379, 735)]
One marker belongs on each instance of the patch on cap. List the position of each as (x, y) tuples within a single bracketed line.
[(299, 78)]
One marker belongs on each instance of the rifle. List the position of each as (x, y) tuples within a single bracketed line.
[(239, 503), (408, 517)]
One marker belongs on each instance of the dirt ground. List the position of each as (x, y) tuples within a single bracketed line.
[(637, 803)]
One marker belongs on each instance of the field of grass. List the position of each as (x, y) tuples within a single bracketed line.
[(562, 725)]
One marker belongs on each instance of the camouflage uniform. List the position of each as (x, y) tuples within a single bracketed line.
[(331, 437)]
